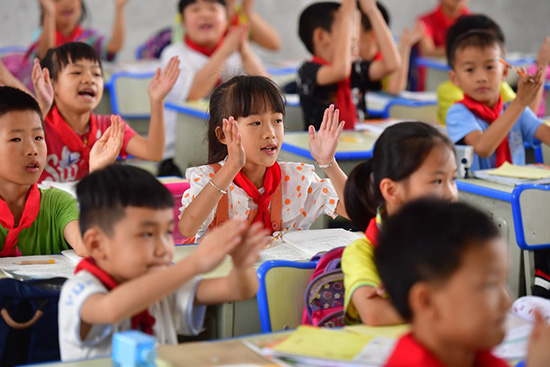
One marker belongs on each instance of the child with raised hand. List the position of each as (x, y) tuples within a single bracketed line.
[(32, 221), (495, 130), (329, 30), (128, 282), (450, 284), (74, 83), (410, 160), (210, 53), (60, 24), (243, 177)]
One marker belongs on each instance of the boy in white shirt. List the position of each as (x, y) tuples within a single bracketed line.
[(128, 282)]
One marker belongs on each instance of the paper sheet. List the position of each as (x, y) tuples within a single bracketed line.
[(314, 241), (63, 267), (282, 251), (525, 172)]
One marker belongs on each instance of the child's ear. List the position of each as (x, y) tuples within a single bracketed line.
[(94, 241), (220, 135), (421, 300), (392, 192), (452, 77), (505, 71), (319, 36)]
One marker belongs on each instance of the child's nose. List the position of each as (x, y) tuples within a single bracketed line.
[(31, 148), (269, 130)]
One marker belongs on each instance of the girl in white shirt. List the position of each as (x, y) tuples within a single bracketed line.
[(243, 177)]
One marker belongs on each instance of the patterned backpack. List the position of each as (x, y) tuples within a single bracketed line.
[(324, 296)]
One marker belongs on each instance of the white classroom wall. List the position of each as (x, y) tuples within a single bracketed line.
[(525, 22)]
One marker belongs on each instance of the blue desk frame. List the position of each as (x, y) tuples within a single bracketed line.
[(518, 220)]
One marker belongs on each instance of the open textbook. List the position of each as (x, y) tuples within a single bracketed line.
[(303, 245), (56, 266)]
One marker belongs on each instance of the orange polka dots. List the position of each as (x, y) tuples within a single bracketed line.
[(299, 168), (325, 190), (309, 190), (294, 225), (287, 178), (303, 178), (186, 195), (302, 164), (332, 201), (323, 180), (231, 188), (300, 195), (298, 188), (197, 179), (287, 201), (211, 175)]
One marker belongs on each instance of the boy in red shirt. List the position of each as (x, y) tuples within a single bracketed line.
[(449, 281)]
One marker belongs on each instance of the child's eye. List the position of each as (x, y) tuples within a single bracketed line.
[(97, 74), (16, 140), (39, 137), (75, 73), (255, 123), (438, 181), (469, 70), (147, 234), (279, 121)]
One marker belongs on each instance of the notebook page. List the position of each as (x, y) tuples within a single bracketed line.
[(282, 251), (314, 241), (71, 254), (524, 172), (63, 267)]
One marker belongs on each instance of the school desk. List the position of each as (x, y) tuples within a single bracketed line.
[(495, 199), (437, 69)]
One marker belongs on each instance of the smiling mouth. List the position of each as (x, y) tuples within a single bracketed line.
[(86, 93), (32, 166)]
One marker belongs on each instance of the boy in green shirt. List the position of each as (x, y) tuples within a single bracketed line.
[(32, 221)]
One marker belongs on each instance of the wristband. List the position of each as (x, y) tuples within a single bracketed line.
[(328, 165), (217, 188)]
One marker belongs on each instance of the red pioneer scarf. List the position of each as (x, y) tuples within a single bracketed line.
[(30, 212), (201, 49), (489, 115), (61, 39), (271, 181), (344, 102), (71, 139), (142, 321)]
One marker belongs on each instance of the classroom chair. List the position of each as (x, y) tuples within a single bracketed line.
[(152, 48), (281, 293), (177, 189), (531, 228)]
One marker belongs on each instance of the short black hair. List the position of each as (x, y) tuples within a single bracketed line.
[(468, 22), (104, 195), (475, 38), (240, 96), (15, 100), (58, 58), (317, 15), (185, 3), (426, 241), (365, 22)]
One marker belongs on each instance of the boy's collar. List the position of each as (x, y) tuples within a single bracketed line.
[(201, 49)]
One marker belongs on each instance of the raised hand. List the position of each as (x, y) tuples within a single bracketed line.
[(248, 251), (42, 86), (367, 6), (411, 37), (233, 40), (48, 6), (529, 86), (107, 148), (120, 3), (324, 143), (218, 243), (235, 151), (543, 57), (163, 82)]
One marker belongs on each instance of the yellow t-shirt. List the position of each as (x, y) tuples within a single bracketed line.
[(359, 271), (448, 94)]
